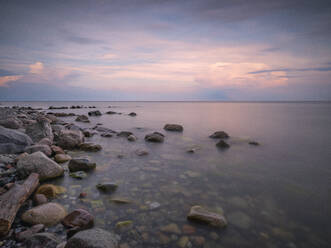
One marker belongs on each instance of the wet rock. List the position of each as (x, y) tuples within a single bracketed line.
[(62, 158), (78, 220), (132, 114), (81, 164), (41, 129), (198, 213), (82, 118), (188, 229), (39, 199), (155, 137), (90, 147), (27, 234), (173, 127), (222, 144), (88, 132), (141, 152), (42, 148), (183, 242), (70, 139), (107, 135), (94, 113), (54, 107), (219, 135), (124, 225), (240, 219), (63, 114), (39, 163), (104, 130), (78, 174), (13, 141), (12, 123), (132, 138), (119, 200), (48, 214), (254, 143), (93, 238), (171, 228), (124, 134), (42, 240), (107, 186), (50, 190), (111, 113), (45, 141), (57, 149)]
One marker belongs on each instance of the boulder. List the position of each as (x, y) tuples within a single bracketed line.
[(93, 238), (173, 127), (78, 220), (13, 141), (219, 135), (200, 214), (155, 137), (62, 158), (39, 163), (81, 164), (70, 139), (90, 147), (48, 214), (39, 130), (12, 123), (39, 148), (94, 113), (82, 118), (42, 240), (222, 144)]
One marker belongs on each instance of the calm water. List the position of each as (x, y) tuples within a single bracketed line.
[(274, 195)]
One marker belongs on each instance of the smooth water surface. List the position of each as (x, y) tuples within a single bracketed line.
[(273, 195)]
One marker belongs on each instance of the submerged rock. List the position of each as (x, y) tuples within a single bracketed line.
[(81, 164), (240, 219), (48, 214), (93, 238), (13, 141), (219, 135), (41, 129), (254, 143), (155, 137), (42, 148), (82, 118), (198, 213), (78, 174), (111, 113), (107, 186), (94, 113), (90, 147), (42, 240), (124, 225), (171, 228), (39, 163), (222, 144), (70, 139), (107, 134), (141, 152), (78, 220), (132, 138), (173, 127)]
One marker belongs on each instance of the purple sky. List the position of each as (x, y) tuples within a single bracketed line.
[(165, 50)]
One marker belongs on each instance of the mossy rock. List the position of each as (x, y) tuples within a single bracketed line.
[(50, 190)]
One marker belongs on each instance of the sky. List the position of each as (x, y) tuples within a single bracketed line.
[(171, 50)]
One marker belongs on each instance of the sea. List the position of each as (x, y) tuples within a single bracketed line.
[(274, 195)]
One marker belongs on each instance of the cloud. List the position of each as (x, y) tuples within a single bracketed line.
[(109, 56), (318, 69), (36, 68), (6, 79)]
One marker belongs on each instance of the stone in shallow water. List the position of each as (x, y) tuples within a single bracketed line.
[(132, 138), (222, 144), (200, 214), (81, 164), (94, 113), (171, 228), (183, 242), (62, 158), (254, 143), (155, 137), (219, 135), (93, 238), (78, 174), (70, 139), (42, 240), (78, 220), (107, 186), (173, 127), (124, 225), (90, 147), (141, 152), (50, 190), (82, 118), (240, 219)]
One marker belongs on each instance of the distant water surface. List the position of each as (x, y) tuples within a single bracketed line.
[(277, 194)]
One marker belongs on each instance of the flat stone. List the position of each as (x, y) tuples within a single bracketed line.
[(81, 164), (198, 213), (173, 127), (219, 135)]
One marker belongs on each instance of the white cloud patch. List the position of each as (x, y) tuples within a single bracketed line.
[(36, 68)]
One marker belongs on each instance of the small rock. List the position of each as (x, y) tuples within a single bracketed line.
[(57, 149), (82, 195), (222, 144), (141, 152), (90, 147), (27, 234), (132, 114), (155, 137), (78, 220), (42, 240), (200, 214), (254, 143), (188, 229), (42, 148), (219, 135), (107, 135), (183, 241), (78, 174), (124, 134), (62, 158), (173, 127), (82, 118), (45, 141), (50, 190), (70, 139), (94, 113), (81, 164), (124, 225), (171, 228), (132, 138), (107, 187), (39, 199)]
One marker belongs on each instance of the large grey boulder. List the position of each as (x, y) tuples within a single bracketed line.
[(70, 139), (13, 141), (41, 129), (39, 163), (93, 238)]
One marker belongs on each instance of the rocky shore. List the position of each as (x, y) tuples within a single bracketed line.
[(34, 145)]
